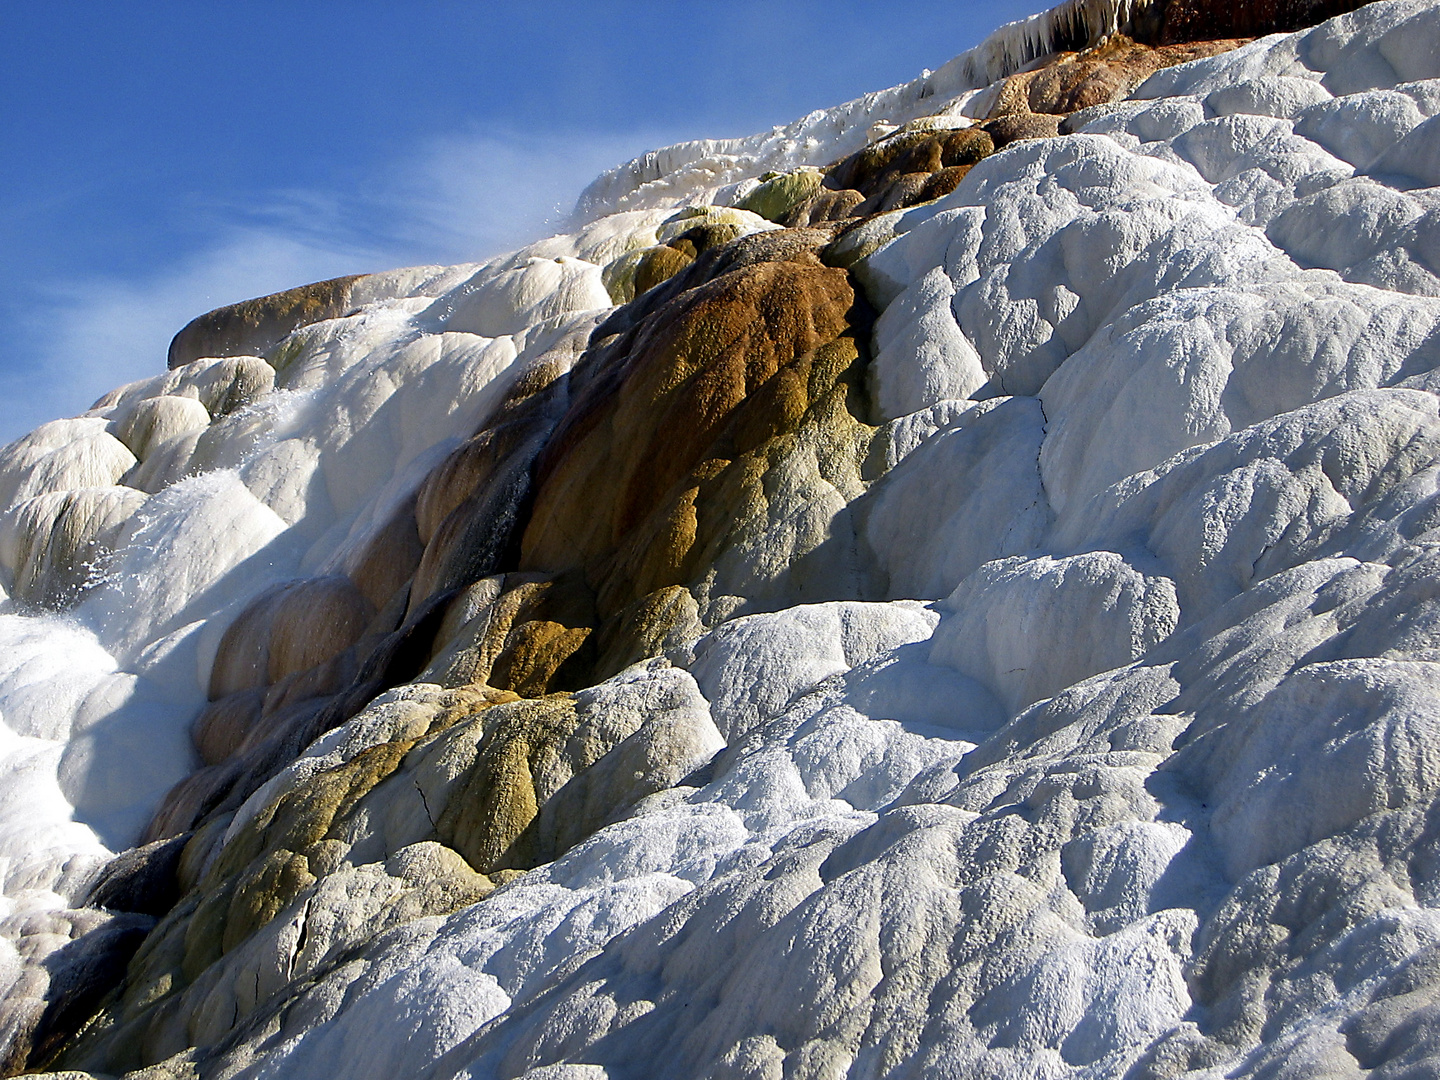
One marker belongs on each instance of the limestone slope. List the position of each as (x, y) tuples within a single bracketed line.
[(946, 588)]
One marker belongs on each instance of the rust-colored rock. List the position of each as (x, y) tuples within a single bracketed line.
[(1107, 72), (714, 417), (661, 264), (322, 680), (1017, 127), (860, 168), (825, 205), (649, 626), (252, 327), (477, 536), (654, 414), (520, 632), (287, 629), (875, 169), (709, 418), (389, 559), (291, 720), (943, 182), (1206, 20), (498, 797), (223, 725), (903, 169)]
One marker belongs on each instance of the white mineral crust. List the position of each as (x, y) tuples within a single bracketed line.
[(1132, 775)]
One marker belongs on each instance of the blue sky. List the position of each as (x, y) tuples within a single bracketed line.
[(162, 158)]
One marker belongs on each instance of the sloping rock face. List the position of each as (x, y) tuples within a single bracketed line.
[(944, 589)]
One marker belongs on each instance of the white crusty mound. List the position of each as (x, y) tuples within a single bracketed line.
[(1112, 750)]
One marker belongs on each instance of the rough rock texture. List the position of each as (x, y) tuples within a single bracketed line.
[(258, 324), (1108, 72), (943, 589), (1189, 20)]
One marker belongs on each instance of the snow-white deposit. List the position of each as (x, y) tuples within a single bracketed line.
[(1133, 774)]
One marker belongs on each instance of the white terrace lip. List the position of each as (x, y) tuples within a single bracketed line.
[(1121, 750)]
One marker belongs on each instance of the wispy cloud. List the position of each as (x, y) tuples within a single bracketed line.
[(452, 199), (91, 335), (474, 195)]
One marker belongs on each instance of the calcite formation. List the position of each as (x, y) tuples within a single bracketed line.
[(945, 588)]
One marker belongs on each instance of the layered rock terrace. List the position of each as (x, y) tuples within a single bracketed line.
[(946, 588)]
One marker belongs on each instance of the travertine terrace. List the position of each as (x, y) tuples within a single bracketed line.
[(949, 587)]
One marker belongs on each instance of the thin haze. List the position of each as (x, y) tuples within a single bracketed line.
[(164, 158)]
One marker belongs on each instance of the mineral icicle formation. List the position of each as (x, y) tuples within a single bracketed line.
[(944, 589)]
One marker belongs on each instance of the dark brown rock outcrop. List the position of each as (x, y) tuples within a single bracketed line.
[(253, 326)]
